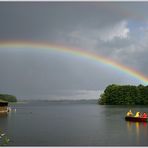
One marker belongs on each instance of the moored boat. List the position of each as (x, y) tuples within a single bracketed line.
[(136, 119)]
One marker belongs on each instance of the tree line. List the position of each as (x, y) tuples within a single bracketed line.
[(8, 98), (124, 95)]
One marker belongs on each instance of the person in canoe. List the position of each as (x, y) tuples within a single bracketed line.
[(129, 113), (137, 114), (144, 115)]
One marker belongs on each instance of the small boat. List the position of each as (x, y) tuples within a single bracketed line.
[(136, 119)]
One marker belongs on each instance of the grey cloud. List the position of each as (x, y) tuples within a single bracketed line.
[(88, 25), (36, 20), (30, 72)]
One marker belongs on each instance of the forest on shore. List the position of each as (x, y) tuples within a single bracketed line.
[(8, 98), (124, 95)]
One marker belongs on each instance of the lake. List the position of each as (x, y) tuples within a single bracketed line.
[(45, 123)]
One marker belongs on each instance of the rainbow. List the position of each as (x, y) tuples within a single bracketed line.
[(76, 52)]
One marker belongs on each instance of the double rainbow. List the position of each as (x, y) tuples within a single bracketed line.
[(76, 52)]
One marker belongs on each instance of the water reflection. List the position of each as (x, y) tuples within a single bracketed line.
[(4, 140), (3, 121), (137, 128), (3, 115)]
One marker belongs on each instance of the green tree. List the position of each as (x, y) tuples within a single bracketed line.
[(124, 95), (9, 98)]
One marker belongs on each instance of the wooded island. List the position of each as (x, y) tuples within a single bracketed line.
[(8, 98), (124, 95)]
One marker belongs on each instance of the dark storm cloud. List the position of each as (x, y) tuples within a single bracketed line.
[(41, 20), (36, 72), (116, 30), (24, 20)]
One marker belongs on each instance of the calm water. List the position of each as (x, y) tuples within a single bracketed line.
[(72, 124)]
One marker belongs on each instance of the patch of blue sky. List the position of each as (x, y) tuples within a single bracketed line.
[(137, 28), (134, 24)]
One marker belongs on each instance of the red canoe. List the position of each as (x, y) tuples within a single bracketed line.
[(136, 119)]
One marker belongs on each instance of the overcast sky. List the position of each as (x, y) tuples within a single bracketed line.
[(116, 30)]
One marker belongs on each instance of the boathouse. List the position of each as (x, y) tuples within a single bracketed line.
[(3, 106)]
